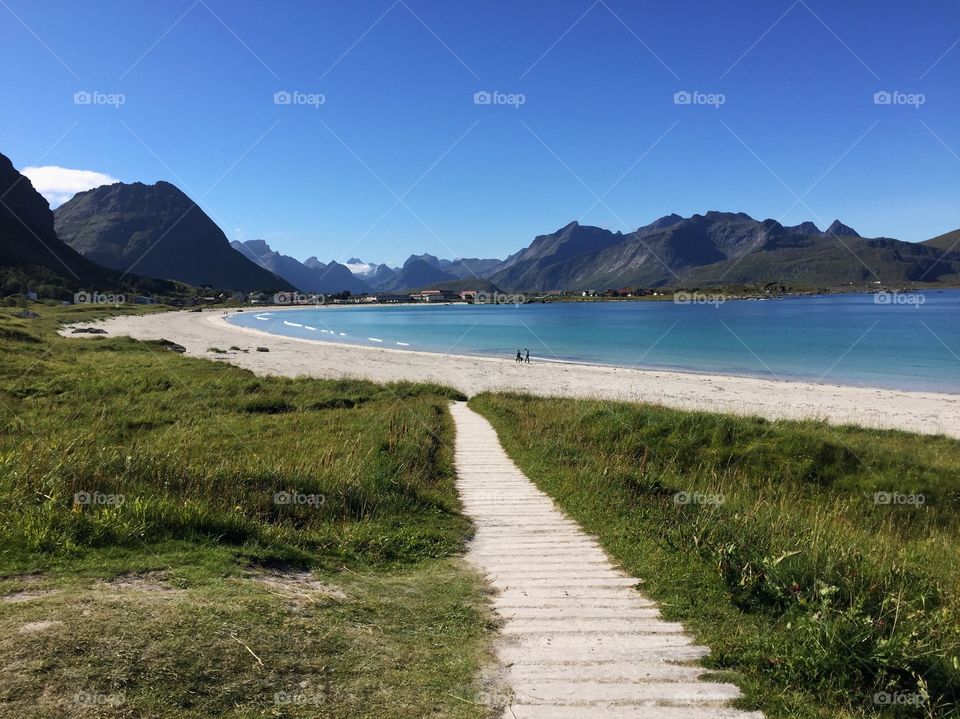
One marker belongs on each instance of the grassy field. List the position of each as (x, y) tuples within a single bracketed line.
[(821, 565), (179, 538)]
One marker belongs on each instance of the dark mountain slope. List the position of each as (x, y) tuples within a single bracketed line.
[(947, 242), (471, 268), (156, 230), (541, 264), (33, 257), (415, 273)]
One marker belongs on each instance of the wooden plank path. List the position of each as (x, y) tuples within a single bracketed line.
[(578, 640)]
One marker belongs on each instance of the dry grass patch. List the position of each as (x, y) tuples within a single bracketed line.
[(299, 585)]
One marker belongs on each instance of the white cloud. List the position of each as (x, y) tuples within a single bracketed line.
[(59, 184)]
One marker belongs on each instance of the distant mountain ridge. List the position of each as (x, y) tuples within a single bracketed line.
[(717, 248), (423, 271), (157, 231), (309, 276)]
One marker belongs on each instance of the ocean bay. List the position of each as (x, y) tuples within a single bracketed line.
[(861, 340)]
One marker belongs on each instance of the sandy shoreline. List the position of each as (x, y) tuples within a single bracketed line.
[(922, 412)]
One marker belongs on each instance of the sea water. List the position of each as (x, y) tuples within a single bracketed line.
[(909, 342)]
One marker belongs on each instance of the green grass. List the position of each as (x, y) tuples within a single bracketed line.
[(253, 547), (290, 548), (816, 596)]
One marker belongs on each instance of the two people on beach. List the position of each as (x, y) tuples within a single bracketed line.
[(520, 357)]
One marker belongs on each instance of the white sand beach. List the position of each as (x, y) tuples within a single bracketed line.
[(921, 412)]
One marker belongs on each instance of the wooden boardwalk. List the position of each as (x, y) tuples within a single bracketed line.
[(578, 640)]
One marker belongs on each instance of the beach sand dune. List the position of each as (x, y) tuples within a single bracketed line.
[(921, 412)]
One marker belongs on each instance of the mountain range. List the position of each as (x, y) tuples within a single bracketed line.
[(157, 231), (716, 248), (359, 277), (309, 276), (719, 248), (420, 271)]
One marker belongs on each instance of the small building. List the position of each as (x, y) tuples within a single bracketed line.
[(435, 296), (144, 300), (385, 298), (31, 295)]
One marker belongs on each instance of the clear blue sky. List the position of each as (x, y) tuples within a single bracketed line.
[(398, 78)]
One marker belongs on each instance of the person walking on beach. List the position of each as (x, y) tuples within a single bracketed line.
[(519, 357), (528, 355)]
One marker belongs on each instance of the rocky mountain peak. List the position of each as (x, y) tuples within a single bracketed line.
[(841, 230)]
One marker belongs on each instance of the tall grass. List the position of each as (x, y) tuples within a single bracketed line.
[(768, 538), (172, 448), (121, 460)]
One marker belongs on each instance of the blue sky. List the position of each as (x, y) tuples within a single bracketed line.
[(399, 158)]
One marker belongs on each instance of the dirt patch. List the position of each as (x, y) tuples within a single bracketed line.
[(27, 595), (146, 582), (37, 627)]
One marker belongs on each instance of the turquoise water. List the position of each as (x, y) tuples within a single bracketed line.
[(836, 339)]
